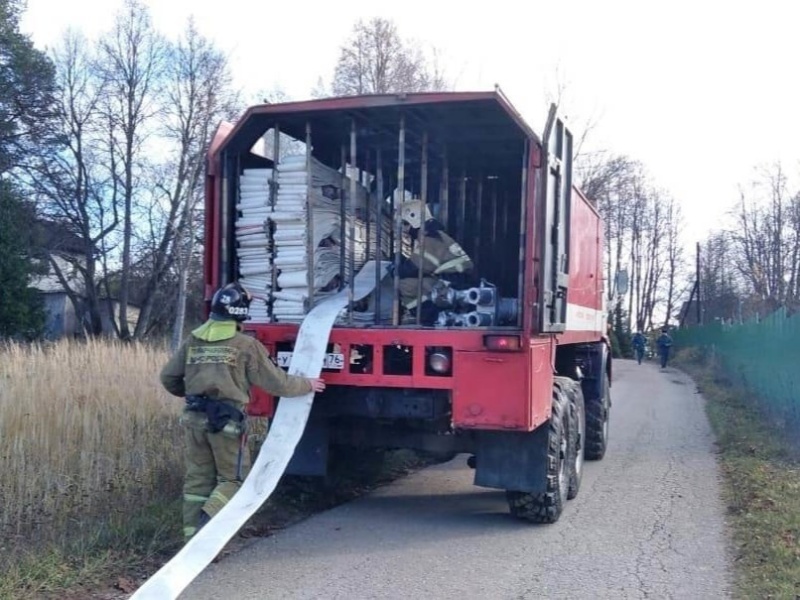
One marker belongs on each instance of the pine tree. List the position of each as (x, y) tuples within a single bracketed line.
[(26, 87), (21, 308)]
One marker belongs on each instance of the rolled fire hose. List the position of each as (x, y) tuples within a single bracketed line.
[(276, 452)]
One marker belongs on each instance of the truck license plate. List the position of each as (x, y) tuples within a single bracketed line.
[(332, 361)]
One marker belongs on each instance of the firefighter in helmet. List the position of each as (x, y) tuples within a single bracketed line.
[(441, 257), (214, 370)]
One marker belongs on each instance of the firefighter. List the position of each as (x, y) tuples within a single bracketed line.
[(664, 344), (441, 257), (214, 370), (639, 342)]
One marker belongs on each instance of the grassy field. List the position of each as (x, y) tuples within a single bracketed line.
[(91, 446), (761, 465), (92, 469)]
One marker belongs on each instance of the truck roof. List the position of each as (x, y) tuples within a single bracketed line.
[(459, 120)]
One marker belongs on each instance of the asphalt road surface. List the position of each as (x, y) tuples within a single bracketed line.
[(648, 523)]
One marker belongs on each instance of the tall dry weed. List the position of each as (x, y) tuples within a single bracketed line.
[(86, 433)]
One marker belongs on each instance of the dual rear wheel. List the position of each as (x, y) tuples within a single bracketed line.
[(575, 431)]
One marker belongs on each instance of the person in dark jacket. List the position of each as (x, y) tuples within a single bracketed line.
[(214, 370), (441, 256), (639, 343), (664, 343)]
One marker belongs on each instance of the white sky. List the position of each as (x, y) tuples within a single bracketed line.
[(700, 91)]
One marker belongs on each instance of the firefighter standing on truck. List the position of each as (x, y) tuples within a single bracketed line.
[(214, 369), (441, 256)]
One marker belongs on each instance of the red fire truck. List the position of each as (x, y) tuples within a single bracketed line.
[(521, 382)]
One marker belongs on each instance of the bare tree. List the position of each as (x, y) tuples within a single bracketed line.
[(71, 179), (131, 59), (582, 126), (642, 226), (610, 185), (199, 95), (675, 257), (723, 297), (376, 60), (766, 241), (320, 89)]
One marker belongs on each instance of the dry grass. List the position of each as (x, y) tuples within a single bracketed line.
[(92, 468), (88, 439)]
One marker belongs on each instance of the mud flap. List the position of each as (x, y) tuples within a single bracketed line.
[(310, 458), (512, 460)]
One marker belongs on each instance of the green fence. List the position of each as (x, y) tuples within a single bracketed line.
[(764, 355)]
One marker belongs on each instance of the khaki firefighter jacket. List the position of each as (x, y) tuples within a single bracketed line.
[(219, 362), (441, 255)]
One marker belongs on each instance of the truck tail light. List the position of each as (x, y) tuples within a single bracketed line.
[(503, 343)]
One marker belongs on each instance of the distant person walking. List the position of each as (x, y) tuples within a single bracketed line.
[(639, 342), (664, 344)]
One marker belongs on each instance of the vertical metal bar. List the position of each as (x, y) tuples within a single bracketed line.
[(276, 159), (368, 207), (309, 223), (351, 259), (423, 187), (222, 222), (235, 200), (504, 237), (342, 218), (461, 209), (494, 213), (398, 227), (445, 192), (523, 232), (379, 234), (477, 227), (273, 198), (392, 187)]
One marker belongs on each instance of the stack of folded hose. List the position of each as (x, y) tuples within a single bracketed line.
[(276, 237), (253, 238)]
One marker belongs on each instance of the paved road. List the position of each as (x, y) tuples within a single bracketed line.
[(648, 523)]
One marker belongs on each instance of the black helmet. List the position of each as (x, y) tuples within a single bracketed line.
[(231, 302)]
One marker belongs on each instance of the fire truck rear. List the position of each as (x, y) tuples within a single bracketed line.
[(514, 370)]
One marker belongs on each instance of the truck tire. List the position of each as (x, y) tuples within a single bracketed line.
[(577, 436), (597, 417), (547, 507)]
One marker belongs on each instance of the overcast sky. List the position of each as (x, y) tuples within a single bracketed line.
[(700, 91)]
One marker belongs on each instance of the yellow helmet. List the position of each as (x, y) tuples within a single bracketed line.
[(411, 212)]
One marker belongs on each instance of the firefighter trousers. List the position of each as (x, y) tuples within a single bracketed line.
[(216, 465)]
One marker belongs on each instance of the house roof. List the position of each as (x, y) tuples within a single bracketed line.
[(55, 237)]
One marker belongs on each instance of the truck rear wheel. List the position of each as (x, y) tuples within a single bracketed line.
[(597, 416), (547, 507), (577, 436)]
